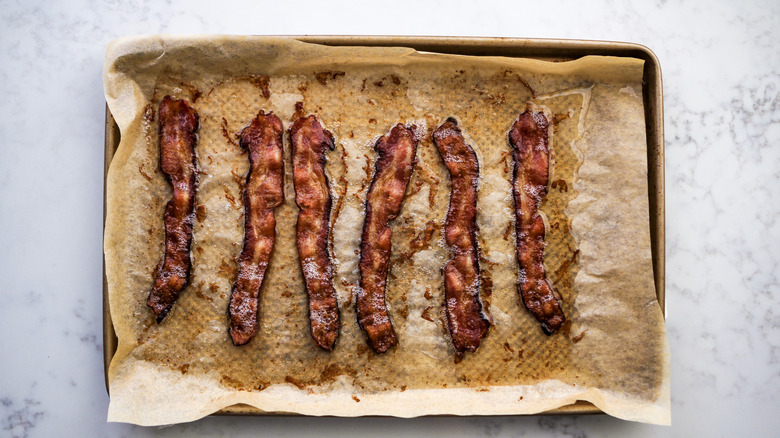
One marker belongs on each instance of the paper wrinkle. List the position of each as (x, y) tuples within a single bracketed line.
[(614, 353)]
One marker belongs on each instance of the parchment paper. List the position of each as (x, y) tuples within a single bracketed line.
[(613, 352)]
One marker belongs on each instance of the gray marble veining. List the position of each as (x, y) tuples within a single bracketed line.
[(721, 73)]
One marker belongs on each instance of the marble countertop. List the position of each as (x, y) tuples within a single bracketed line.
[(722, 116)]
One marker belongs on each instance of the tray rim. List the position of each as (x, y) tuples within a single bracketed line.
[(548, 49)]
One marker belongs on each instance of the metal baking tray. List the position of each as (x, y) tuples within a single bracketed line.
[(544, 49)]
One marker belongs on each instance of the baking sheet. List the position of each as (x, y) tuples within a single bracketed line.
[(414, 379)]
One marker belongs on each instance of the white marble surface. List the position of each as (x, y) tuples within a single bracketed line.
[(722, 89)]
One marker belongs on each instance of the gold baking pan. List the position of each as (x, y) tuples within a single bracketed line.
[(544, 49)]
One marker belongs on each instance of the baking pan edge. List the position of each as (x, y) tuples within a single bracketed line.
[(549, 49)]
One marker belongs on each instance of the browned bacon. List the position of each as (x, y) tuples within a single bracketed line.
[(393, 170), (529, 137), (178, 123), (263, 192), (465, 318), (310, 142)]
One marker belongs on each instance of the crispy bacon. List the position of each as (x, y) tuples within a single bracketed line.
[(263, 192), (312, 194), (529, 137), (178, 123), (465, 318), (383, 203)]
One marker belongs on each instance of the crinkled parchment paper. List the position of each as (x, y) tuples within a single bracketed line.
[(613, 352)]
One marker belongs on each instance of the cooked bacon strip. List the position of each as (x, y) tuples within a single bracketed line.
[(178, 123), (263, 192), (529, 137), (383, 203), (465, 319), (312, 194)]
